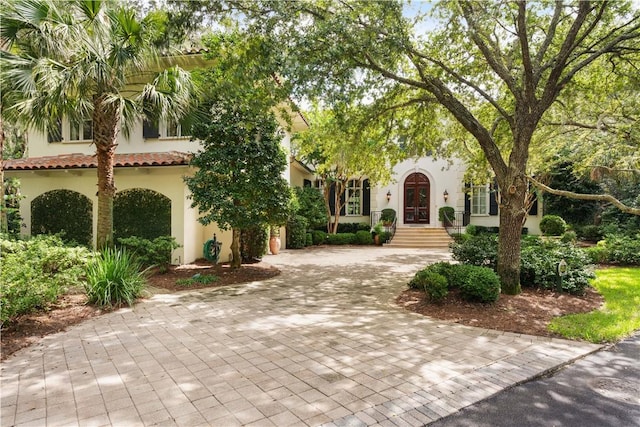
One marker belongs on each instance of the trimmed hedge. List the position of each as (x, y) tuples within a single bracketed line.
[(341, 239), (64, 212), (296, 232), (476, 284), (552, 225), (142, 213), (363, 237), (319, 237)]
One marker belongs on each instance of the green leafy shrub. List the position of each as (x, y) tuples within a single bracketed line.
[(308, 239), (552, 225), (446, 213), (387, 215), (311, 206), (363, 237), (36, 271), (151, 253), (114, 277), (590, 233), (481, 284), (253, 243), (341, 239), (539, 260), (319, 237), (461, 237), (64, 212), (385, 236), (296, 232), (616, 249), (434, 284), (141, 212), (539, 265), (198, 279), (480, 250), (569, 237), (471, 230)]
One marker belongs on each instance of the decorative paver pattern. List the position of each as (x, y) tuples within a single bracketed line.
[(321, 344)]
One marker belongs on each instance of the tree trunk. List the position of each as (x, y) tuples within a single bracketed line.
[(512, 217), (236, 260), (4, 223), (106, 121)]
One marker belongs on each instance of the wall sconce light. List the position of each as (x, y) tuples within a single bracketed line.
[(446, 195), (388, 196)]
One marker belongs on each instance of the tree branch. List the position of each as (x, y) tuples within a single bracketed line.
[(595, 197)]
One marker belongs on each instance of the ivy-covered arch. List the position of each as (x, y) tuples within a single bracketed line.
[(142, 213), (63, 211)]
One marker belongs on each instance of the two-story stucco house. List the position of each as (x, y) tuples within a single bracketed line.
[(157, 159)]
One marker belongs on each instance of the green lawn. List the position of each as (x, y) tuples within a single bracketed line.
[(619, 316)]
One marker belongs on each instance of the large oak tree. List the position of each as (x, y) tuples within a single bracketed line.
[(495, 68)]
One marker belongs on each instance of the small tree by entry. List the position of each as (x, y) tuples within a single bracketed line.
[(238, 182)]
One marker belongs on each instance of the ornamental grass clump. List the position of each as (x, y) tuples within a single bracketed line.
[(114, 277)]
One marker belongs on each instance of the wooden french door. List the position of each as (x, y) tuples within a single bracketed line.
[(416, 199)]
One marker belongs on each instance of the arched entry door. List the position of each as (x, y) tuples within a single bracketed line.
[(416, 199)]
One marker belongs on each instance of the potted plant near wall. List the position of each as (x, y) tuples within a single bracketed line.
[(387, 216), (446, 214), (376, 232), (274, 239)]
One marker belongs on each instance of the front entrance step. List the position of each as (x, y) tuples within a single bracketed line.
[(414, 237)]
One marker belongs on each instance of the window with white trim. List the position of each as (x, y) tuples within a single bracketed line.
[(319, 184), (173, 129), (480, 200), (81, 130), (354, 197)]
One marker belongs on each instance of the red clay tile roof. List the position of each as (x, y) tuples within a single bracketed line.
[(80, 161)]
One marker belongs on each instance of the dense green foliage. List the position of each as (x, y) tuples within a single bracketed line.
[(539, 260), (66, 212), (142, 213), (238, 182), (617, 319), (435, 285), (363, 237), (480, 284), (35, 272), (114, 277), (297, 232), (253, 243), (308, 240), (476, 284), (616, 249), (341, 239), (353, 227), (552, 225), (319, 237), (481, 250), (151, 253), (388, 215), (311, 206)]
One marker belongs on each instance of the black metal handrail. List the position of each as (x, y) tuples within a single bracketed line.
[(454, 225)]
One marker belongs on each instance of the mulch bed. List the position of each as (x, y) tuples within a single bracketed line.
[(527, 313)]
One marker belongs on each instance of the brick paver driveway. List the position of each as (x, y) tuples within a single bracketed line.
[(320, 344)]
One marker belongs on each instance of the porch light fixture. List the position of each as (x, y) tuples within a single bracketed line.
[(446, 195), (388, 196)]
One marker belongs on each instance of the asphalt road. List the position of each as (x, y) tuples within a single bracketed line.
[(603, 389)]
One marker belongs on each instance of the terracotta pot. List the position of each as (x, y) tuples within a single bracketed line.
[(274, 245)]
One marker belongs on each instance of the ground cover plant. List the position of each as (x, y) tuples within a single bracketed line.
[(616, 249), (539, 260), (35, 272), (198, 279), (619, 316)]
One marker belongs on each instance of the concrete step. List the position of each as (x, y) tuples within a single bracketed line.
[(415, 237)]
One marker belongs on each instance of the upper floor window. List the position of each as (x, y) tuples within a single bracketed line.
[(354, 197), (81, 130), (163, 129), (480, 200), (319, 184)]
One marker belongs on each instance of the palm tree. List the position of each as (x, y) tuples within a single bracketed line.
[(84, 59)]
